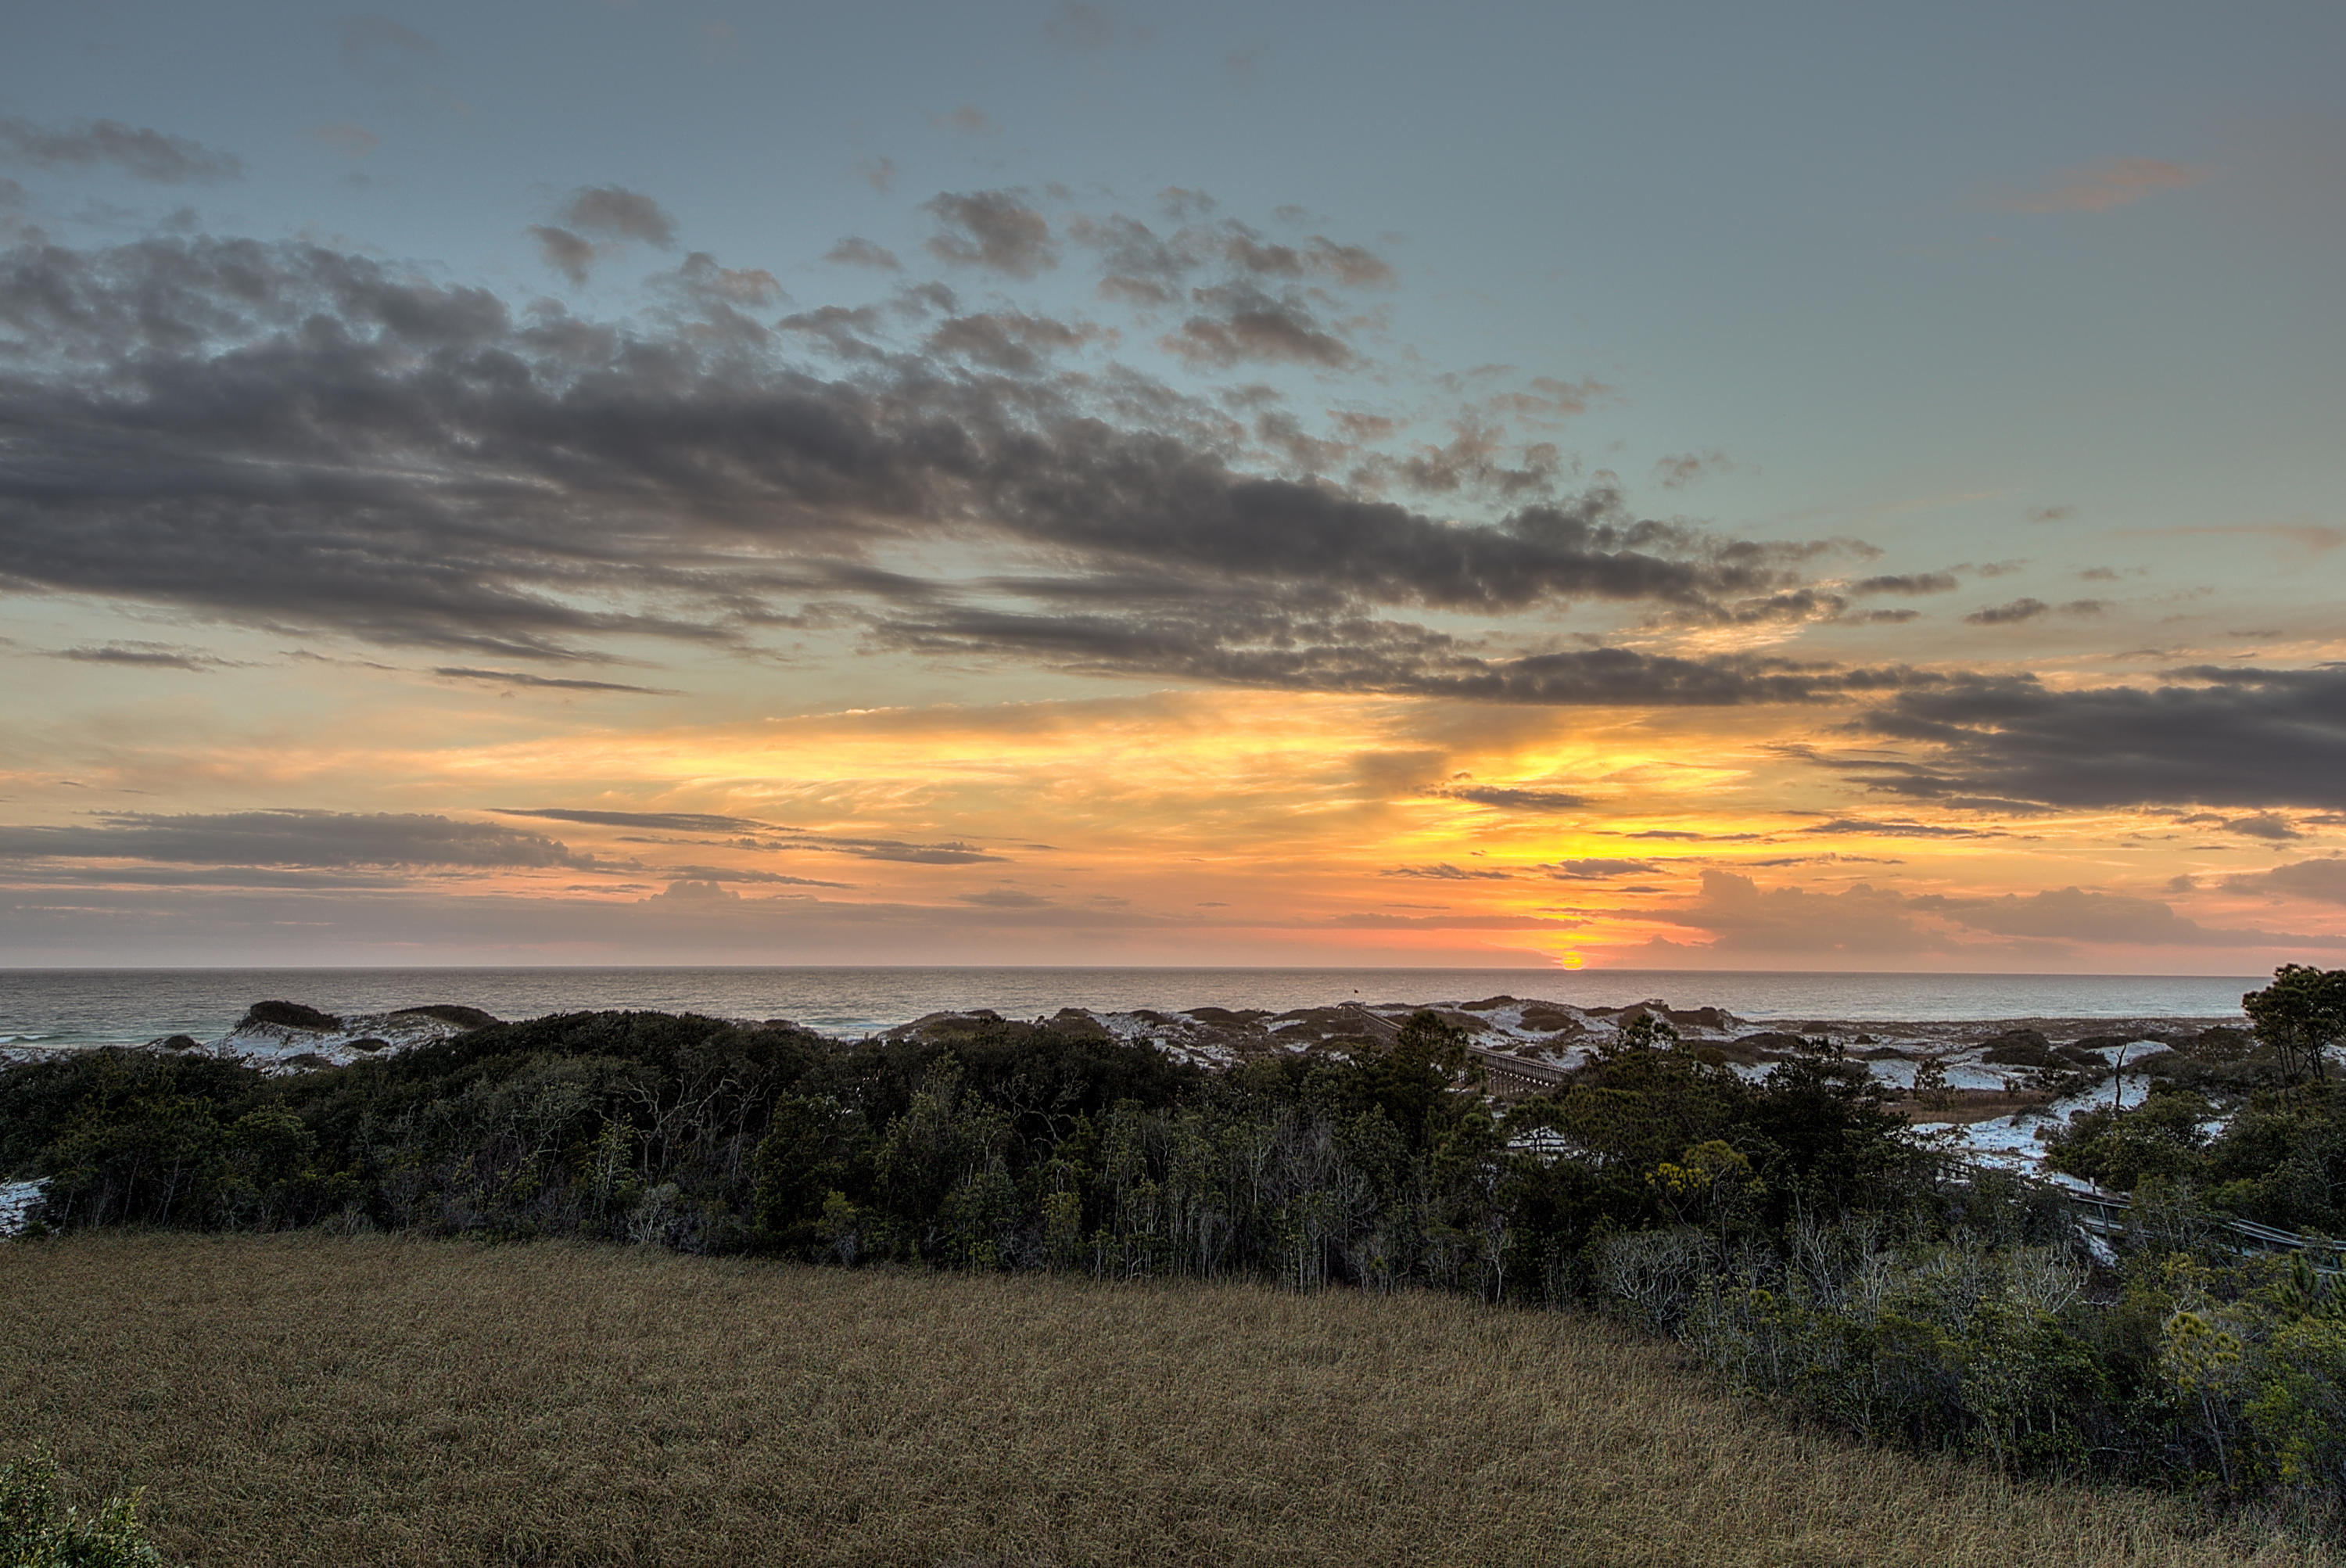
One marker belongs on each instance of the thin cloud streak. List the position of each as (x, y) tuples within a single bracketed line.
[(2112, 182)]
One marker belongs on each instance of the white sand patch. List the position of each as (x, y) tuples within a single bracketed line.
[(279, 1047), (1895, 1075), (2132, 1051), (17, 1199)]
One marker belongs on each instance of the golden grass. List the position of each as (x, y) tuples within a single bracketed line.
[(302, 1400), (1970, 1104)]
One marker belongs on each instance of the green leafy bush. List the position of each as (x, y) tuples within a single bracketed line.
[(39, 1531)]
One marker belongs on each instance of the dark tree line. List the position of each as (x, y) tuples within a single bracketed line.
[(1014, 1146)]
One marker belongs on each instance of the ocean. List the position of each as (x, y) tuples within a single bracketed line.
[(67, 1007)]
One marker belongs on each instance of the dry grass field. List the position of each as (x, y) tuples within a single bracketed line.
[(1970, 1104), (302, 1400)]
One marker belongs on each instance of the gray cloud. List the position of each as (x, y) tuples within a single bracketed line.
[(1350, 265), (1597, 867), (1255, 642), (2073, 914), (1008, 341), (568, 254), (749, 833), (1446, 872), (289, 838), (670, 821), (945, 854), (552, 683), (1138, 265), (1870, 921), (999, 230), (1241, 322), (345, 137), (2028, 609), (762, 878), (845, 331), (135, 150), (1901, 828), (1546, 400), (2234, 737), (1078, 27), (2323, 881), (1685, 836), (694, 892), (1006, 898), (1507, 798), (290, 435), (1742, 916), (617, 213), (713, 302), (2008, 613), (857, 252), (1675, 471), (1794, 604), (967, 119), (385, 53), (144, 655), (1908, 583), (1473, 459)]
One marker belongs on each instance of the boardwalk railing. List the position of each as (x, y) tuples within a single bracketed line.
[(2109, 1213), (1514, 1076)]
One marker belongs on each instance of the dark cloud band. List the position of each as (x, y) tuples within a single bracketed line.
[(295, 435), (2214, 736)]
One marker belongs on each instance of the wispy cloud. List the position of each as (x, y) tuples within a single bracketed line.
[(145, 656), (1000, 231), (2112, 182), (153, 155), (289, 838), (546, 682), (749, 833)]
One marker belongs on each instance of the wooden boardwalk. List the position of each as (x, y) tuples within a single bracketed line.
[(2109, 1214), (1510, 1077)]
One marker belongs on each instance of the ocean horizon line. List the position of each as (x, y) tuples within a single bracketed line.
[(2166, 975)]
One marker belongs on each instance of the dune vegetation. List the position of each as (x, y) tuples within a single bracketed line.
[(306, 1399)]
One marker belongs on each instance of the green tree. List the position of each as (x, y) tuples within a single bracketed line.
[(797, 1168), (2301, 1015), (1423, 1080)]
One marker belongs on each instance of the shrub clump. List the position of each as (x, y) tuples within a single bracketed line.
[(38, 1530)]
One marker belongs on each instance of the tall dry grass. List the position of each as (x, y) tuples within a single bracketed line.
[(301, 1399)]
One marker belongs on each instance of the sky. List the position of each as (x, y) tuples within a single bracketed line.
[(1634, 486)]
